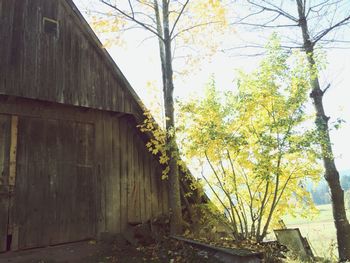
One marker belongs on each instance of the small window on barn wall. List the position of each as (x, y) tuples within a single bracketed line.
[(51, 27)]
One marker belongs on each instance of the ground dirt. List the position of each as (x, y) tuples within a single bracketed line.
[(98, 252)]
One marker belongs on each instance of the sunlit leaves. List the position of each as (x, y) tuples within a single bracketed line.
[(256, 142)]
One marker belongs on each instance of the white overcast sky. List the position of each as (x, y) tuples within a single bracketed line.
[(139, 61)]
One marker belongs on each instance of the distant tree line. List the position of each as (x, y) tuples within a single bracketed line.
[(321, 195)]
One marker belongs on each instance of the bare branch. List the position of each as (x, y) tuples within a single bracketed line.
[(324, 91), (178, 17), (146, 4), (132, 9), (265, 25), (192, 27), (323, 33), (231, 215), (144, 25), (275, 9)]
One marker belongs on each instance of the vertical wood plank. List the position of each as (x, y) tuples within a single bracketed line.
[(165, 196), (21, 189), (141, 176), (131, 160), (4, 206), (4, 191), (91, 189), (124, 142), (147, 185), (108, 158), (69, 186), (100, 189), (5, 130), (137, 179), (83, 213), (52, 163), (31, 215), (154, 193), (116, 193), (160, 187)]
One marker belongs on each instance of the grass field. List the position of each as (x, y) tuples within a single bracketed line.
[(319, 231)]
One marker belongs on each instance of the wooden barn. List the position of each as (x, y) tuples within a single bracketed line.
[(72, 162)]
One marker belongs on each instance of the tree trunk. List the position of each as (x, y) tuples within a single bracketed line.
[(172, 152), (331, 174)]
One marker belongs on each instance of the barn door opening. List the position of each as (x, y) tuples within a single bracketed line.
[(8, 149), (54, 200)]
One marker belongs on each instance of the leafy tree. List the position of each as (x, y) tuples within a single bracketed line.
[(255, 145), (173, 23)]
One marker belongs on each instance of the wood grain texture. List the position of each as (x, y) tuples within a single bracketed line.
[(5, 131), (78, 173), (70, 67), (116, 177), (55, 200), (81, 167), (124, 145)]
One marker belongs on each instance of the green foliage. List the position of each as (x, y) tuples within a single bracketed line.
[(255, 143)]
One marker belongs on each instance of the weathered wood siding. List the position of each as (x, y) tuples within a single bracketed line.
[(79, 172), (72, 162), (130, 170), (69, 67), (54, 192), (5, 137)]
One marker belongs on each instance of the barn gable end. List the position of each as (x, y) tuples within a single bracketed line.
[(72, 162), (50, 53)]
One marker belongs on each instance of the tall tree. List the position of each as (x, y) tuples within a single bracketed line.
[(318, 22), (167, 20)]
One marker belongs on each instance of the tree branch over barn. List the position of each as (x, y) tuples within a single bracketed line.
[(168, 21)]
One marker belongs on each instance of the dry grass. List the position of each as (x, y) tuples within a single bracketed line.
[(319, 231)]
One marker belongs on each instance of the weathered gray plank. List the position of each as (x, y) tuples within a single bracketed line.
[(30, 204), (137, 178), (101, 185), (132, 190), (68, 183), (4, 167), (155, 190), (108, 158), (84, 212), (50, 212), (4, 206), (5, 129), (141, 180), (124, 142), (147, 186), (116, 182)]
